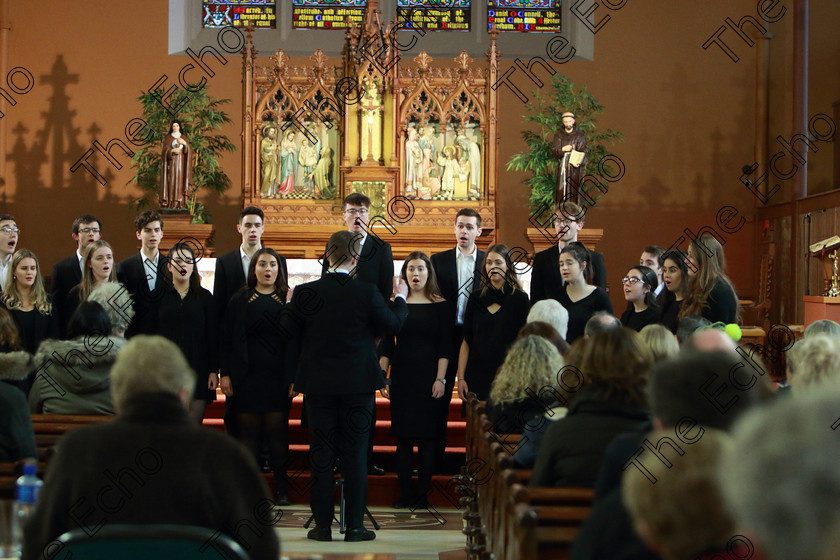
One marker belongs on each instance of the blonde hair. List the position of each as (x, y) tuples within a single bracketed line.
[(660, 341), (150, 364), (531, 363), (812, 360), (682, 505), (11, 295)]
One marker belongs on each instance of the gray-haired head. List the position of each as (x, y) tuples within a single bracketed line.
[(823, 326), (118, 304), (550, 311), (782, 476), (601, 321)]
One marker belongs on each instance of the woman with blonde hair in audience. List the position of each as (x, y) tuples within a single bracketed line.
[(97, 268), (418, 358), (660, 341), (31, 308), (675, 279), (813, 360), (615, 365), (494, 315), (710, 291), (525, 385)]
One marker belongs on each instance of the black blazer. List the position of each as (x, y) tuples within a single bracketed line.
[(230, 278), (65, 275), (375, 265), (445, 264), (132, 274), (336, 319), (545, 273)]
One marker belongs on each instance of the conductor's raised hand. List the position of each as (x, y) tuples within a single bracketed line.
[(400, 287)]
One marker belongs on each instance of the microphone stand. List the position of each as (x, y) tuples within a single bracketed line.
[(808, 258)]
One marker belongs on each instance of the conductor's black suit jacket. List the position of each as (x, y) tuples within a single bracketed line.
[(375, 265)]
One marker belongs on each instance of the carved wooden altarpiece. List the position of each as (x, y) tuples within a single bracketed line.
[(417, 137)]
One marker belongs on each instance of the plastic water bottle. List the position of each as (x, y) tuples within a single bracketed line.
[(28, 487)]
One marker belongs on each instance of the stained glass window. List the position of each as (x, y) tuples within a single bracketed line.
[(326, 14), (239, 13), (524, 15), (434, 15)]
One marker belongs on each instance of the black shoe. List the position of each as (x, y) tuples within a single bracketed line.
[(282, 499), (376, 471), (401, 504), (415, 472), (357, 535), (320, 534)]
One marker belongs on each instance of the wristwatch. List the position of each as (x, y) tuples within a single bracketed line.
[(442, 380)]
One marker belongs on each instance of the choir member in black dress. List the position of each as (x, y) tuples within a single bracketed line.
[(640, 292), (187, 315), (675, 278), (97, 268), (257, 369), (494, 315), (418, 358), (710, 292), (30, 306), (580, 298)]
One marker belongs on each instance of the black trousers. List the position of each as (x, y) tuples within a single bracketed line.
[(339, 426)]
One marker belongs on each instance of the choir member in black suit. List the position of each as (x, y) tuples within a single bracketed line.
[(143, 273), (580, 298), (458, 272), (710, 292), (231, 274), (374, 264), (546, 279), (418, 358), (99, 268), (652, 258), (9, 233), (639, 292), (68, 273), (187, 316), (675, 278), (27, 301), (494, 315), (256, 365), (338, 318)]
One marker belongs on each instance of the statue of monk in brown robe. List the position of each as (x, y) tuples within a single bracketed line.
[(565, 141)]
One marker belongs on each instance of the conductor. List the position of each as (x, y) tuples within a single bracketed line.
[(337, 318)]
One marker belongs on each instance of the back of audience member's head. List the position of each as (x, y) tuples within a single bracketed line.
[(601, 321), (150, 364), (118, 304), (697, 386), (9, 333), (89, 319), (546, 331), (661, 342), (531, 363), (813, 360), (689, 324), (708, 339), (617, 361), (823, 326), (550, 311), (678, 508), (781, 477)]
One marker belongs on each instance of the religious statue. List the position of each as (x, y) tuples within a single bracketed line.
[(176, 168), (323, 173), (270, 161), (569, 144), (471, 154), (308, 159), (288, 161), (371, 126), (413, 163)]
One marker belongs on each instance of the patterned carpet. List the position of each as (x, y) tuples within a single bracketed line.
[(388, 518)]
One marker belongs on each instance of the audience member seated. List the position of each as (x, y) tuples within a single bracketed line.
[(74, 375), (781, 479), (690, 324), (17, 439), (678, 395), (550, 311), (166, 467), (614, 364), (546, 331), (677, 507), (661, 342), (15, 362), (117, 302), (601, 321), (640, 293), (823, 326), (708, 339), (524, 386), (814, 360)]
